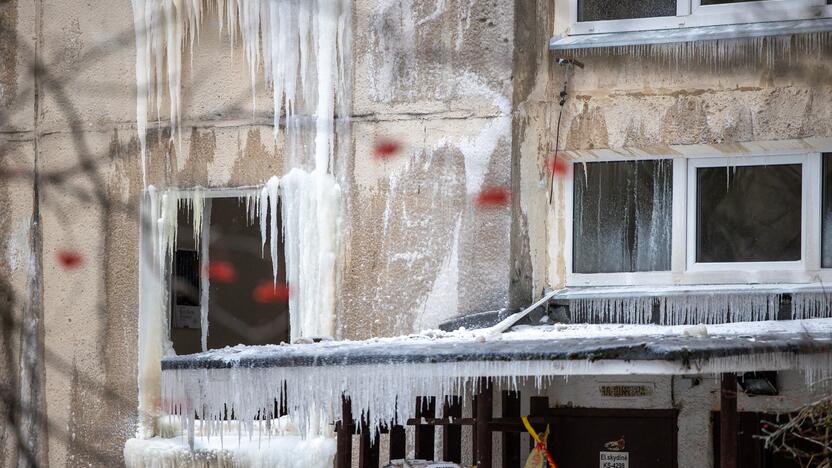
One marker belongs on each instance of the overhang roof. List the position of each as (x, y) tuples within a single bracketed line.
[(681, 346)]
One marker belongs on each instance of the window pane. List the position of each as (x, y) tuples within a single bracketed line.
[(599, 10), (622, 216), (724, 2), (827, 210), (749, 213)]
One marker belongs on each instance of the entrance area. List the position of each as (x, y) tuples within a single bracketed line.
[(613, 438)]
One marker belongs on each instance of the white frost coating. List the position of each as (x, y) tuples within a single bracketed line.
[(444, 295), (262, 451), (298, 45), (153, 338), (204, 279), (311, 222)]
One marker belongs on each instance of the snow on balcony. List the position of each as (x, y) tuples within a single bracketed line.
[(377, 373)]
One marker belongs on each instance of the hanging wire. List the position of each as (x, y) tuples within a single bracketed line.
[(570, 65)]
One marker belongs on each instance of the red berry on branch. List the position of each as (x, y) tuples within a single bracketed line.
[(494, 197), (557, 166), (221, 272), (385, 148), (69, 259), (268, 293)]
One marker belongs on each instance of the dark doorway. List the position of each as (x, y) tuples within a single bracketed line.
[(584, 437), (751, 451)]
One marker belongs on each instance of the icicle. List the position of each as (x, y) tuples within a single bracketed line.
[(263, 204), (311, 223), (197, 202), (204, 278), (688, 309), (272, 186), (302, 46), (811, 305), (315, 392)]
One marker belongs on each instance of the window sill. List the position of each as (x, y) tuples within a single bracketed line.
[(690, 34), (591, 292)]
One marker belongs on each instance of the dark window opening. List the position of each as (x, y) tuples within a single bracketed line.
[(826, 239), (749, 213), (622, 216), (237, 267), (601, 10)]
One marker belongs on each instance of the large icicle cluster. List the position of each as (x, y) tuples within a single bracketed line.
[(310, 207), (695, 308), (298, 45), (386, 392)]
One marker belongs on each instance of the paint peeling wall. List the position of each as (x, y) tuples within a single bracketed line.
[(433, 74)]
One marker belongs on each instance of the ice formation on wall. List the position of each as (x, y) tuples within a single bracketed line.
[(310, 216), (298, 45)]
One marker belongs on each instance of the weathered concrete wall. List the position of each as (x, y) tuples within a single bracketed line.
[(647, 103), (436, 75)]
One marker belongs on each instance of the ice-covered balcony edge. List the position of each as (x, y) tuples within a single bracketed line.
[(377, 373)]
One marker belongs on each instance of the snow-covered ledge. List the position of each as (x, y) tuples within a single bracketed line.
[(692, 34), (377, 373)]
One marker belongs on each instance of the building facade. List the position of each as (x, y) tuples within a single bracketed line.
[(478, 153)]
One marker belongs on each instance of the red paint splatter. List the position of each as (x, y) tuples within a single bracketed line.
[(69, 259), (557, 165), (385, 148), (493, 197), (267, 293), (221, 272)]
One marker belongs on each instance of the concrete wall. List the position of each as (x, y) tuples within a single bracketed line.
[(645, 103), (435, 75)]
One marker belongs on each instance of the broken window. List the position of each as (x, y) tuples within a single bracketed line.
[(826, 238), (749, 213), (231, 257), (622, 216)]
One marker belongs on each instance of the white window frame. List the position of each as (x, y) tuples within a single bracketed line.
[(684, 269), (691, 13)]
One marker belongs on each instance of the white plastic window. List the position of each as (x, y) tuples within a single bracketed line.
[(710, 220), (605, 16)]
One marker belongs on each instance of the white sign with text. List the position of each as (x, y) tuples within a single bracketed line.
[(615, 460)]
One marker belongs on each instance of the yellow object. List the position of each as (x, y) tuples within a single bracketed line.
[(540, 456)]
